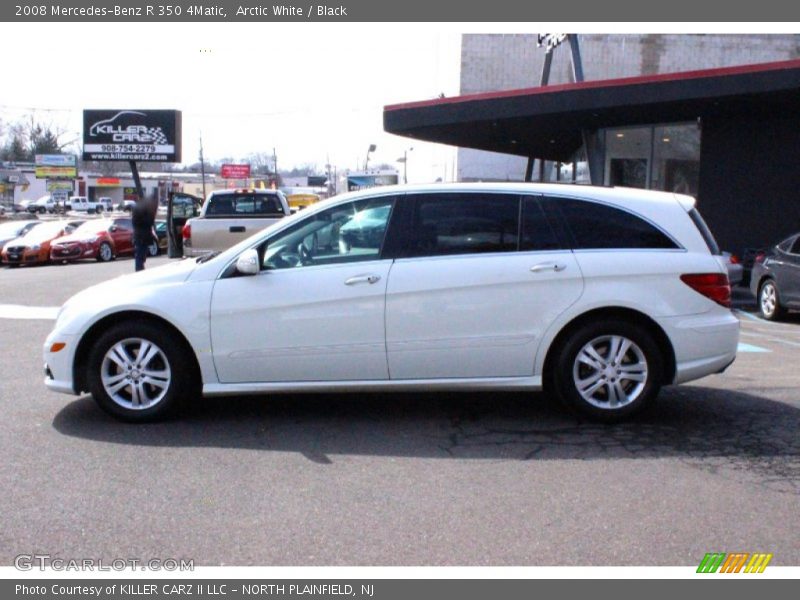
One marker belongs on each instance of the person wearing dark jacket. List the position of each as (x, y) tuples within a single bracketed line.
[(143, 217)]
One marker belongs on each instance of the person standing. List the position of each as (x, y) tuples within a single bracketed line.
[(143, 217)]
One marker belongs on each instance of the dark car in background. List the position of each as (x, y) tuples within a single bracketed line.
[(160, 245), (775, 278)]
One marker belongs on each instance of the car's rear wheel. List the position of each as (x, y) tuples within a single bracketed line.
[(769, 301), (138, 373), (105, 253), (608, 370), (153, 249)]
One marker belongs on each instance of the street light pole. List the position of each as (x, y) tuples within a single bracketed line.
[(369, 150), (404, 160)]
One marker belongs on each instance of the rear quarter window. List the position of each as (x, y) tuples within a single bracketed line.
[(700, 223), (593, 225)]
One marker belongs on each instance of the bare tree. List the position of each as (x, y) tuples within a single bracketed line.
[(261, 163)]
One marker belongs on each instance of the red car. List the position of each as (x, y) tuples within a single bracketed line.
[(33, 247), (101, 239)]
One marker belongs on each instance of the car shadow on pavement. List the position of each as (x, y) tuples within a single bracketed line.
[(705, 426)]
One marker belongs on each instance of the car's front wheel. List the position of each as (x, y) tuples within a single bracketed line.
[(608, 370), (138, 373), (769, 301), (153, 249), (105, 253)]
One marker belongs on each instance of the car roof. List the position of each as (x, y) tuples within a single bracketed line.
[(622, 196)]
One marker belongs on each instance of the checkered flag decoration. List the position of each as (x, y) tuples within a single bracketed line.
[(158, 135)]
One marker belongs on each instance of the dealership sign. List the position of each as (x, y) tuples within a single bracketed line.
[(56, 166), (142, 135), (56, 185), (228, 171)]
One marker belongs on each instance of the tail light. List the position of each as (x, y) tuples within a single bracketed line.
[(760, 256), (186, 232), (714, 286), (735, 260)]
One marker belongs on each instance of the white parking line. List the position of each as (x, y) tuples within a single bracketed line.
[(18, 311), (742, 347), (747, 315)]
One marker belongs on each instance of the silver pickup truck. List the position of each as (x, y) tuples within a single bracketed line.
[(229, 216)]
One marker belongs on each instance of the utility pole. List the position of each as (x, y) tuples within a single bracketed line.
[(275, 165), (202, 166)]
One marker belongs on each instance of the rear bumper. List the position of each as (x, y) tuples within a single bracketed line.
[(703, 344)]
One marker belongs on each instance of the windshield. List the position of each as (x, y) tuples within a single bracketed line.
[(92, 227), (43, 232), (13, 228)]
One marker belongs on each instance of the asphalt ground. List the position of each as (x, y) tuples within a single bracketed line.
[(395, 479)]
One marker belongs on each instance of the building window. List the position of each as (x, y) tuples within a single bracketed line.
[(658, 157), (628, 156), (676, 158)]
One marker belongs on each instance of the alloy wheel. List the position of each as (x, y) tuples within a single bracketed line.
[(610, 372), (105, 252), (135, 373), (769, 299)]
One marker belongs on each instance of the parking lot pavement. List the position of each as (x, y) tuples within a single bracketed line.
[(417, 479)]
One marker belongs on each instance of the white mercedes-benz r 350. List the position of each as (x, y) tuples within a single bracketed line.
[(599, 296)]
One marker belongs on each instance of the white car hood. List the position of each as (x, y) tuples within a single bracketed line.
[(121, 291)]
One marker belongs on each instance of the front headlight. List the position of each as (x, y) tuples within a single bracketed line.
[(34, 248), (90, 240)]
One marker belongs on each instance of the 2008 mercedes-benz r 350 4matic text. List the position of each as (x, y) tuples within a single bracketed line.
[(598, 295)]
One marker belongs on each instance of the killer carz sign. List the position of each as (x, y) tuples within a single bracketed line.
[(142, 135)]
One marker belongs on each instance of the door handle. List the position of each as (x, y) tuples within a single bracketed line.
[(237, 229), (362, 279), (549, 266)]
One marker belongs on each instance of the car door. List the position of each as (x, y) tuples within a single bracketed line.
[(180, 208), (474, 294), (314, 312), (122, 233), (789, 275)]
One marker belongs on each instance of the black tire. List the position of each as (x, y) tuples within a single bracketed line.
[(769, 301), (105, 253), (636, 373), (177, 379), (153, 249)]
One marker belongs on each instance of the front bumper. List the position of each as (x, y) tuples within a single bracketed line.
[(58, 365), (73, 252)]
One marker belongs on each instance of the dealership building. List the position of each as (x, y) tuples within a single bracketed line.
[(715, 116)]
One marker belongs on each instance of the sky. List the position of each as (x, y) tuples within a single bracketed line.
[(312, 92)]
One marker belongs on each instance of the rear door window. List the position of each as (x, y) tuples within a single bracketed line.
[(537, 229), (464, 223)]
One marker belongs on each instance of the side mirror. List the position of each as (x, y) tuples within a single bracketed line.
[(113, 228), (247, 263)]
